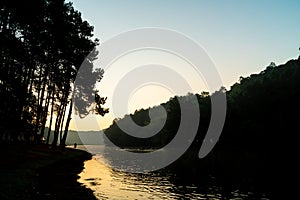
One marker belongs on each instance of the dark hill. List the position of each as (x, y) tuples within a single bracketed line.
[(259, 139)]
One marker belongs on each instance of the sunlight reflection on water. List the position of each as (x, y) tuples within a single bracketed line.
[(108, 183)]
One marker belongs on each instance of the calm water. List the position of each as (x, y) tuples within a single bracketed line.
[(108, 183)]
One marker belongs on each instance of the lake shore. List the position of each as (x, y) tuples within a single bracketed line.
[(40, 172)]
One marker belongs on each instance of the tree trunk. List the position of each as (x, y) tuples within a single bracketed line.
[(45, 114), (62, 123), (39, 110), (59, 118), (57, 125), (63, 141), (51, 116)]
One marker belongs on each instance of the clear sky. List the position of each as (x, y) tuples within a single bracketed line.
[(241, 37)]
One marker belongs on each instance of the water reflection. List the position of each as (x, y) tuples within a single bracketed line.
[(108, 183)]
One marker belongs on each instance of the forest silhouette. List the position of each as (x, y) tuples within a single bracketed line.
[(43, 44), (258, 138)]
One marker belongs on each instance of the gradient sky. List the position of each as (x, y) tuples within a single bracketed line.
[(241, 37)]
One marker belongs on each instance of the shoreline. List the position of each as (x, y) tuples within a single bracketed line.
[(39, 172)]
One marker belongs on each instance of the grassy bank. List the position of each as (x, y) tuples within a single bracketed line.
[(38, 172)]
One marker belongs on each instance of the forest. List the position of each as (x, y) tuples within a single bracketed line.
[(43, 45), (255, 113), (258, 138)]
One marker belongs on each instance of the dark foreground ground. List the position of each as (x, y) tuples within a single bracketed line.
[(38, 172)]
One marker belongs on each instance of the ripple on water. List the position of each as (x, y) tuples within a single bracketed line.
[(111, 184)]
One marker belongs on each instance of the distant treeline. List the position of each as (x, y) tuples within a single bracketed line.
[(80, 137), (42, 46), (141, 118), (258, 107), (259, 133)]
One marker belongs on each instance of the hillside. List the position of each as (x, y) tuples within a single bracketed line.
[(259, 134), (257, 105)]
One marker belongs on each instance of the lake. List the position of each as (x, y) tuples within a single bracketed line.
[(108, 183)]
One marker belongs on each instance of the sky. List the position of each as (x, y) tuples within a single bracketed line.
[(241, 38)]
